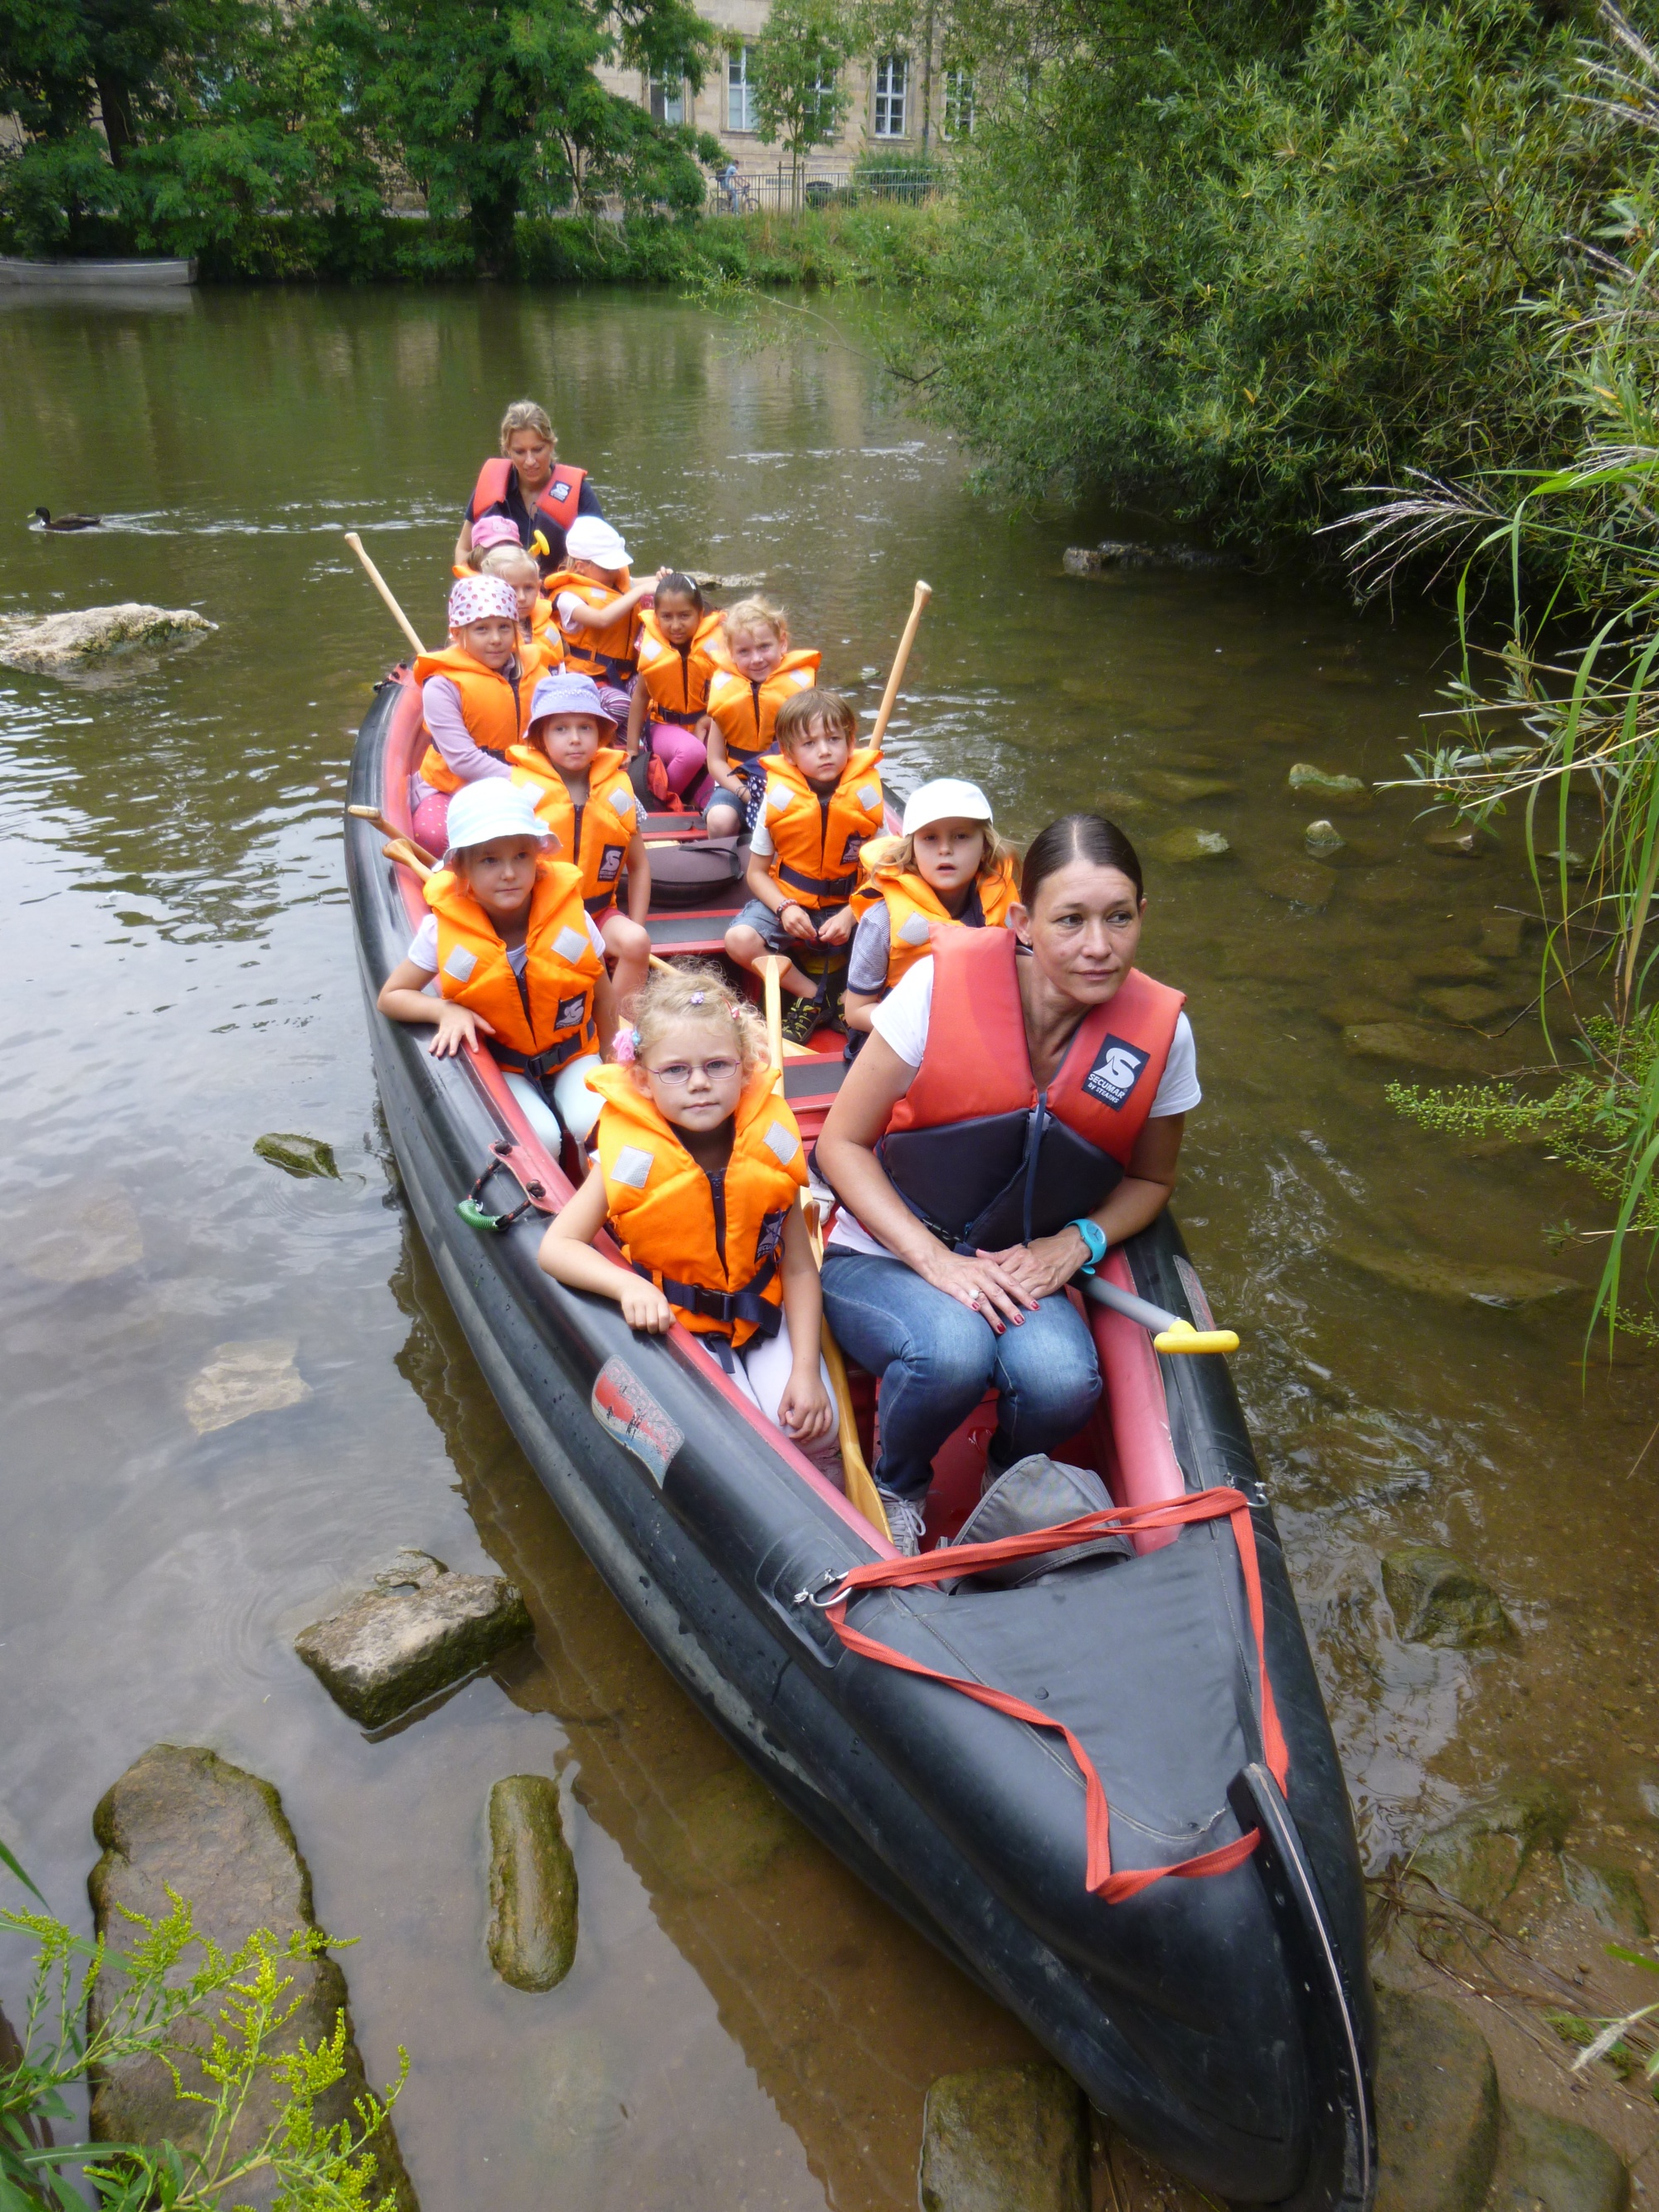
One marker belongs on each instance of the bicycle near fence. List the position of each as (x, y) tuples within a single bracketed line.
[(779, 191)]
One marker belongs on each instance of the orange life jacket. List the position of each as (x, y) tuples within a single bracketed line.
[(747, 713), (495, 707), (713, 1244), (676, 677), (914, 906), (595, 836), (818, 843), (973, 1148), (558, 503), (609, 655), (546, 1017)]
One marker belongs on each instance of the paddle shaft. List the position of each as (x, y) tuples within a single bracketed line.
[(407, 856), (376, 820), (923, 593), (770, 966), (382, 587), (859, 1483), (1161, 1324)]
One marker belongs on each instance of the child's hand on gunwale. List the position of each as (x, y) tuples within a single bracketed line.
[(458, 1026)]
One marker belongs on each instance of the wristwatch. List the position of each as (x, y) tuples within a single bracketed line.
[(1095, 1238)]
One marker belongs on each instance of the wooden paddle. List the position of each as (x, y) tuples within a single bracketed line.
[(860, 1487), (376, 820), (924, 592), (409, 856), (382, 587)]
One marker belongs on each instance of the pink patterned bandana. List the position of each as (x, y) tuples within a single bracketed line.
[(480, 598)]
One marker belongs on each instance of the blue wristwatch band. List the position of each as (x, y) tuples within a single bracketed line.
[(1095, 1238)]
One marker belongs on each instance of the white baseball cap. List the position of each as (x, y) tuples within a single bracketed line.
[(492, 808), (947, 799), (590, 538)]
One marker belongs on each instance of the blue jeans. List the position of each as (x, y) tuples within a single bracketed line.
[(936, 1359)]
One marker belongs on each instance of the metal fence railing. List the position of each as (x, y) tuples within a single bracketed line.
[(778, 191)]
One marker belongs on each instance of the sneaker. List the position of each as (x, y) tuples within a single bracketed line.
[(800, 1020), (904, 1522)]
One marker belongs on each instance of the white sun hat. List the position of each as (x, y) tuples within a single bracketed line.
[(590, 538), (947, 799), (492, 808)]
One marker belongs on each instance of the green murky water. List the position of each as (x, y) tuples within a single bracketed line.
[(743, 2026)]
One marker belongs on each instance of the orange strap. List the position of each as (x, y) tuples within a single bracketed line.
[(1123, 1521)]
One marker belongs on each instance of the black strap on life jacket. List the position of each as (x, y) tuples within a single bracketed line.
[(726, 1306), (613, 667), (541, 1064), (832, 887)]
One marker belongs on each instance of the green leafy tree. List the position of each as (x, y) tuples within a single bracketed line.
[(494, 108), (797, 70)]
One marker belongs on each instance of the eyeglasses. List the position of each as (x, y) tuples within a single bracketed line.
[(679, 1073)]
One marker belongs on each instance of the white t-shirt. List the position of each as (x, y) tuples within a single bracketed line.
[(423, 950), (901, 1020)]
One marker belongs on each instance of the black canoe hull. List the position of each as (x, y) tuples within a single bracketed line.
[(1224, 2023)]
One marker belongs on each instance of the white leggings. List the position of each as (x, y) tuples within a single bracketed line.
[(579, 1106), (761, 1371)]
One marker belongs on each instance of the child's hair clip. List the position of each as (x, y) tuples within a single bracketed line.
[(624, 1045), (695, 1000)]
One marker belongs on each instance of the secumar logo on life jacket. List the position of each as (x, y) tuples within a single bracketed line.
[(558, 489), (572, 1012), (610, 864), (849, 851), (1116, 1070)]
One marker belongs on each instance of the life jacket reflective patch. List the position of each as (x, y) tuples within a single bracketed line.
[(816, 846), (610, 816), (546, 1018), (913, 907), (612, 653), (711, 1244), (972, 1147), (747, 713), (494, 706), (677, 678)]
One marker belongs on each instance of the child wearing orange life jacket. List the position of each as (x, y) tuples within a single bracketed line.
[(699, 1175), (582, 795), (948, 867), (492, 531), (540, 646), (596, 608), (744, 699), (508, 956), (679, 646), (822, 804), (476, 701)]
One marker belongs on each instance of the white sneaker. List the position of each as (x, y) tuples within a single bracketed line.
[(904, 1522)]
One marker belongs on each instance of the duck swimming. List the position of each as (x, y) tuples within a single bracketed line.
[(43, 516)]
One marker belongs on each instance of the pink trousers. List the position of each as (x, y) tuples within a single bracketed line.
[(684, 756)]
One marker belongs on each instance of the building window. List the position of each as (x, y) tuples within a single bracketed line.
[(892, 92), (739, 94), (958, 103), (668, 99)]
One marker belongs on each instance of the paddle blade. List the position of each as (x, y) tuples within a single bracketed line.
[(1183, 1337)]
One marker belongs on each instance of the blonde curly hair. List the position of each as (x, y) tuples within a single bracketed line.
[(892, 857), (755, 613), (697, 993)]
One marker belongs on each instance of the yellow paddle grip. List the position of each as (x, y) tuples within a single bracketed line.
[(1183, 1337)]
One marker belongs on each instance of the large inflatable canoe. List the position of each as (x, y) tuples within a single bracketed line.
[(1109, 1792)]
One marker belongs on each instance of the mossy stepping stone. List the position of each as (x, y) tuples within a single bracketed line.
[(1436, 1598)]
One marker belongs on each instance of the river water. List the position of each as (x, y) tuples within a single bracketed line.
[(743, 2026)]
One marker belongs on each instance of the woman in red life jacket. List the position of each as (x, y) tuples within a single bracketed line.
[(679, 641), (1018, 1106), (525, 483), (507, 957), (699, 1175), (474, 697)]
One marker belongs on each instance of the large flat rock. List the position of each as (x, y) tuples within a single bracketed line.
[(1547, 2165), (56, 642), (181, 1818), (1478, 1856), (1436, 1598), (1005, 2139), (1437, 2107), (397, 1645), (1436, 1277)]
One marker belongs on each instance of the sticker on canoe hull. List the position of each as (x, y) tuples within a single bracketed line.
[(622, 1404)]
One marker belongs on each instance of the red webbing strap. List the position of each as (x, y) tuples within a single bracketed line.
[(1124, 1521)]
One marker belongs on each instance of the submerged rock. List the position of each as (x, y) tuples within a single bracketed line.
[(1005, 2139), (48, 645), (1547, 2165), (1438, 1278), (1563, 857), (1437, 2107), (1461, 840), (1478, 1857), (1323, 839), (1450, 964), (1177, 848), (1341, 791), (1470, 1003), (710, 583), (1501, 936), (1357, 1012), (1436, 1598), (1417, 1045), (78, 1239), (1300, 883), (1273, 732), (182, 1818), (400, 1644), (1174, 789), (533, 1884), (298, 1156), (254, 1376), (726, 1831), (1608, 1895)]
